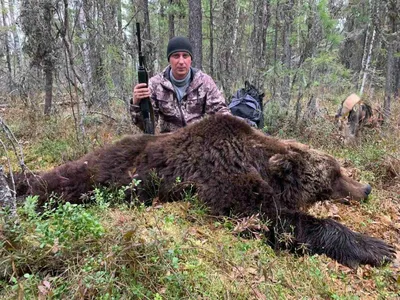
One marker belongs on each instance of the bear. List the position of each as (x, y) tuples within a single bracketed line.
[(235, 170)]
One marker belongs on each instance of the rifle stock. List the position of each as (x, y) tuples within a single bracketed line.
[(145, 104)]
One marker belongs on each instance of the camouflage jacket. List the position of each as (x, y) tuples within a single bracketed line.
[(202, 97)]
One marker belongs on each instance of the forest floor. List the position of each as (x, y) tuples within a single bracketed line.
[(112, 250)]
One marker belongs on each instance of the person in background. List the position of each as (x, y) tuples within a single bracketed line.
[(179, 95)]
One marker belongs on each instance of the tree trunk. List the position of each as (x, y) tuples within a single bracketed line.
[(78, 118), (259, 41), (196, 32), (211, 39), (146, 41), (287, 52), (235, 30), (171, 20), (119, 18), (48, 63), (48, 71), (225, 54), (17, 44), (397, 79), (277, 27), (117, 59), (389, 81), (7, 45), (85, 50), (392, 39), (93, 46), (101, 94)]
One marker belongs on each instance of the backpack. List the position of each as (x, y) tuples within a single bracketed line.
[(247, 104)]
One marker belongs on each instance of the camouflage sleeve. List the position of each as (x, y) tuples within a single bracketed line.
[(136, 114), (215, 100)]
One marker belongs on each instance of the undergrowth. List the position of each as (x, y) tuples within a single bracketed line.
[(111, 249), (161, 253)]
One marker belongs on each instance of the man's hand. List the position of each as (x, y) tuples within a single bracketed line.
[(140, 91)]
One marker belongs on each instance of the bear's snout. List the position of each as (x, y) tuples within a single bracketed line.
[(367, 190), (346, 187)]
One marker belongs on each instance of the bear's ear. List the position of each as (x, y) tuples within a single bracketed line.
[(284, 165)]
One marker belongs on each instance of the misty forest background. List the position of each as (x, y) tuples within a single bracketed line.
[(84, 53)]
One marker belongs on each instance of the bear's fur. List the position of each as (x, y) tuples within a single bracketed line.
[(235, 169)]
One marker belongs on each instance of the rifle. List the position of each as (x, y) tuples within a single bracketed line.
[(143, 77)]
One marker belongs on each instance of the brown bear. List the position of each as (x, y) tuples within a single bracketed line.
[(235, 170)]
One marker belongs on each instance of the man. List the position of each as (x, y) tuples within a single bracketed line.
[(180, 94)]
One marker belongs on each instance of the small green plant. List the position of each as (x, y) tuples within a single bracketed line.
[(133, 188), (66, 224), (29, 208), (197, 207), (157, 296), (152, 186), (105, 197), (228, 224)]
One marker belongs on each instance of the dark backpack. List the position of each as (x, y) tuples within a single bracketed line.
[(247, 104)]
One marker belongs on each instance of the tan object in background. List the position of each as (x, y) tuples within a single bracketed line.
[(348, 104)]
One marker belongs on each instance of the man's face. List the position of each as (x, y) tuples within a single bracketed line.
[(180, 64)]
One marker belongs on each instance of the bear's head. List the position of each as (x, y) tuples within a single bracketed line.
[(307, 176)]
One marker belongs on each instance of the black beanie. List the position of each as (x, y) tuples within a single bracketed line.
[(179, 44)]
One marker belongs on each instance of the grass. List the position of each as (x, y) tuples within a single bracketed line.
[(160, 253), (114, 250)]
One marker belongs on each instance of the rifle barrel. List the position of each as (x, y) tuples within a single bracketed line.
[(145, 104), (138, 38)]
